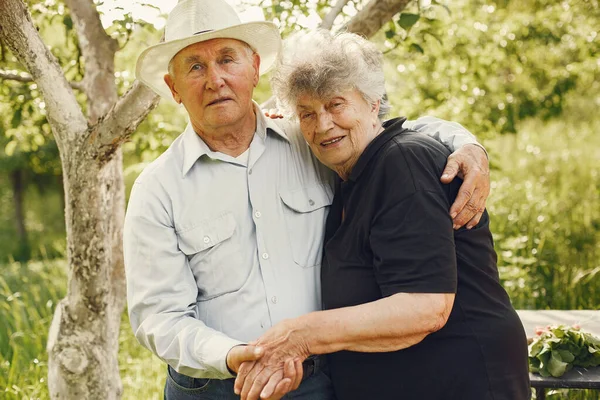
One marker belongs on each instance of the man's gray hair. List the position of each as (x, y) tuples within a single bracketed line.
[(321, 64)]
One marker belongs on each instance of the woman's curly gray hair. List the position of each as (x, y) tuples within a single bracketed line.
[(321, 64)]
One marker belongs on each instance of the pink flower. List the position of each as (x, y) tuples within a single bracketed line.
[(539, 330)]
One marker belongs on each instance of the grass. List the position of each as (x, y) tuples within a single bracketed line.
[(28, 295), (545, 216), (142, 373)]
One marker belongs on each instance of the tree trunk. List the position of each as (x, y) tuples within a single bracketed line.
[(83, 348), (83, 339), (16, 178)]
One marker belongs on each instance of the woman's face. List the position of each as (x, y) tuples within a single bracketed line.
[(338, 128)]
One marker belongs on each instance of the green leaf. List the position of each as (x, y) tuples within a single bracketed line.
[(592, 339), (566, 356), (17, 117), (559, 333), (10, 147), (39, 139), (556, 366), (434, 35), (406, 21), (390, 34), (417, 48), (68, 22), (535, 348), (151, 6)]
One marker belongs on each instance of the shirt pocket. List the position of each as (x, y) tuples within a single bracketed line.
[(214, 256), (305, 211)]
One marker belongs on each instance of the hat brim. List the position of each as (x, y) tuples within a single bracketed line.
[(153, 63)]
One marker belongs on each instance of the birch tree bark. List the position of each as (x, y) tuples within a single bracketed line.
[(83, 339), (372, 16)]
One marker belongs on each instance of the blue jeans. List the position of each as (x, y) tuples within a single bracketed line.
[(182, 387)]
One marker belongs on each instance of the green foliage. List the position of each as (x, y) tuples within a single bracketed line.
[(293, 15), (557, 349), (44, 218), (26, 141), (490, 67), (545, 215)]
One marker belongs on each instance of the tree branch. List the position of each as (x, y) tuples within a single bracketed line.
[(98, 50), (9, 76), (123, 119), (327, 22), (20, 35), (374, 15)]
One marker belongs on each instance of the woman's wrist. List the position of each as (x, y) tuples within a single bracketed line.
[(309, 330)]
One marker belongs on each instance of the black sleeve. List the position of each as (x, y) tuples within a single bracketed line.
[(411, 236)]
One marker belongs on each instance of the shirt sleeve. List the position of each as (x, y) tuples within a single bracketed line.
[(451, 134), (411, 237), (162, 292)]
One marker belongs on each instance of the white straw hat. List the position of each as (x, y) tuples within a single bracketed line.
[(193, 21)]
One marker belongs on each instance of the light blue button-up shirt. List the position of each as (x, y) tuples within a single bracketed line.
[(218, 249)]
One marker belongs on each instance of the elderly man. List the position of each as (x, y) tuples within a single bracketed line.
[(223, 234)]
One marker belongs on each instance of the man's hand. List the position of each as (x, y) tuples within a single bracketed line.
[(471, 162), (279, 370), (278, 384), (273, 113), (241, 353)]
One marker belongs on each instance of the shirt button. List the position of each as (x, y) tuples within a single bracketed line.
[(311, 202), (274, 299), (250, 171), (257, 214), (265, 256), (206, 239)]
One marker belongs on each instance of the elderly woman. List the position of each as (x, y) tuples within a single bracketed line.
[(413, 309)]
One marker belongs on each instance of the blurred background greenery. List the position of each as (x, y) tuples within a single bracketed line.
[(524, 76)]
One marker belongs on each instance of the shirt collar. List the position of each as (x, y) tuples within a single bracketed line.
[(194, 147), (391, 128)]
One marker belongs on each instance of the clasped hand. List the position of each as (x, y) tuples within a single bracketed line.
[(278, 370)]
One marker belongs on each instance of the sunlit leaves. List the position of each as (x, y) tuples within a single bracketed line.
[(525, 61), (10, 147)]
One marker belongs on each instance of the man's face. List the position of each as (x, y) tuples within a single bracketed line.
[(214, 80)]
